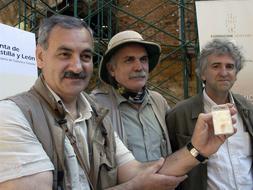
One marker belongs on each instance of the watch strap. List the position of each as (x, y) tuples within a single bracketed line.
[(195, 153)]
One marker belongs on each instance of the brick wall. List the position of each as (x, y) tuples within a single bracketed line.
[(159, 21), (156, 20), (10, 13)]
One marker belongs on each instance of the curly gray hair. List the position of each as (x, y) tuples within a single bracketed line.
[(219, 47)]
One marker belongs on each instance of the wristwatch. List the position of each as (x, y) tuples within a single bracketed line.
[(195, 153)]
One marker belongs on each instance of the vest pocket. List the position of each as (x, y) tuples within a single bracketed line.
[(108, 172)]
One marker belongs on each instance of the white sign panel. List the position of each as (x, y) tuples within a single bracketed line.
[(232, 20), (18, 68)]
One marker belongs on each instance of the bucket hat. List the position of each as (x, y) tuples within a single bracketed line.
[(122, 38)]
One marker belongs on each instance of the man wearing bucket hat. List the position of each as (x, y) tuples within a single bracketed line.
[(137, 114)]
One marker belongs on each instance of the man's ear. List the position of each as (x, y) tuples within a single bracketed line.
[(203, 78), (202, 75), (39, 56), (110, 69)]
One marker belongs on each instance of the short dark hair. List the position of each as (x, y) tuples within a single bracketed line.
[(63, 21)]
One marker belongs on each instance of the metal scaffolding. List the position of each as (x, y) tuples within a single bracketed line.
[(171, 23)]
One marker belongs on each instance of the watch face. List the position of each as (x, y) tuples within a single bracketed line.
[(194, 152)]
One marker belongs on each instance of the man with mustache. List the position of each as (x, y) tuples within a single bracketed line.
[(69, 74), (55, 136), (231, 166), (137, 113)]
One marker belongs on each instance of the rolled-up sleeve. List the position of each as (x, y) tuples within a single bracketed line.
[(21, 154), (123, 155)]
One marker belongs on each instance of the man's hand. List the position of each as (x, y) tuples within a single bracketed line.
[(144, 176), (153, 180), (203, 138)]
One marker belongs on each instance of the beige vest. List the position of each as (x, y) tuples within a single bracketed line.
[(45, 116)]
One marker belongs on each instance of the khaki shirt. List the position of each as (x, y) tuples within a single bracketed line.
[(143, 131)]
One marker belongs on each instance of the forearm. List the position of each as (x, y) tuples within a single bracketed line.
[(145, 176), (203, 139), (128, 171), (179, 163), (127, 180)]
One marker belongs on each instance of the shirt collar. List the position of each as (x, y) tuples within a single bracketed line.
[(208, 102), (84, 105), (120, 99)]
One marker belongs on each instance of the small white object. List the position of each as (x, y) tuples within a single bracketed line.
[(222, 120)]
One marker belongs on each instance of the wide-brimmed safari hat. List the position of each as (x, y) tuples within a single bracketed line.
[(122, 38)]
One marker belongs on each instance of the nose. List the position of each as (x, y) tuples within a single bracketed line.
[(138, 66), (76, 64), (223, 71)]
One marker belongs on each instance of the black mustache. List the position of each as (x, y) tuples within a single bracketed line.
[(70, 74)]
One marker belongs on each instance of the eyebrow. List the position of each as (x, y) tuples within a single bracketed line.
[(64, 48), (221, 63), (215, 63), (127, 56)]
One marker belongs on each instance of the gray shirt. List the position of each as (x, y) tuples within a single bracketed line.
[(142, 128)]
